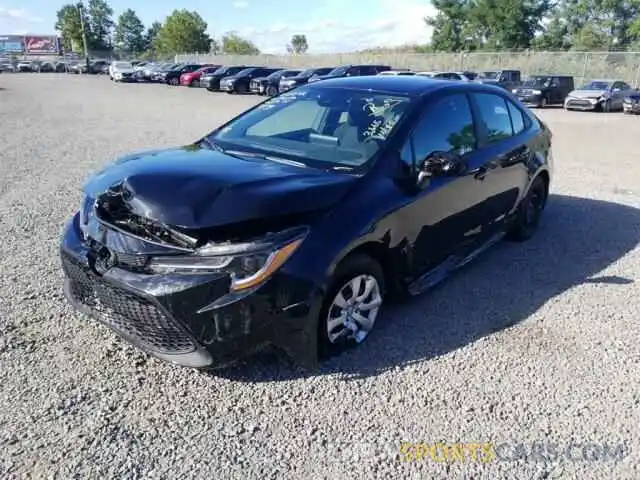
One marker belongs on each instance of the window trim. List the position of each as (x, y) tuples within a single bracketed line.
[(423, 111)]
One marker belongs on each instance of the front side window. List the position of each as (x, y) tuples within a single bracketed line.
[(495, 116), (318, 126), (447, 126)]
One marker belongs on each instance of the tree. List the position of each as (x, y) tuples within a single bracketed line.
[(183, 32), (70, 28), (298, 44), (100, 25), (151, 36), (555, 35), (232, 43), (129, 33), (450, 24), (507, 24)]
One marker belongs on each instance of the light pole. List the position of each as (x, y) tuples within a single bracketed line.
[(84, 33)]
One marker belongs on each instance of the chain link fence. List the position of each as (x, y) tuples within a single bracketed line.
[(582, 65)]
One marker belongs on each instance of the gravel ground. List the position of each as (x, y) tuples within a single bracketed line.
[(531, 343)]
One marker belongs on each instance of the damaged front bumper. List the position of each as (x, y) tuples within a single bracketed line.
[(190, 319)]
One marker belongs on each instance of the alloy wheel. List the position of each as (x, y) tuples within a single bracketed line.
[(354, 309)]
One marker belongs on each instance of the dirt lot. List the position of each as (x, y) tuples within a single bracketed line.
[(533, 345)]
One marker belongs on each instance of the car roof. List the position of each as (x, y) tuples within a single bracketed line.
[(605, 80), (413, 85)]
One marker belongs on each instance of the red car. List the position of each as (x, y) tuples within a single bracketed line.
[(192, 79)]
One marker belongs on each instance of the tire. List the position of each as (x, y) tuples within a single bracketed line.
[(272, 91), (543, 102), (606, 106), (527, 217), (335, 340)]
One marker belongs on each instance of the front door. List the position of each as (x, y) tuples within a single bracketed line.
[(449, 212)]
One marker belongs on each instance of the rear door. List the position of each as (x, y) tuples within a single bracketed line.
[(505, 131)]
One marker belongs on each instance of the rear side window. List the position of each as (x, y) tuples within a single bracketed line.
[(494, 115), (447, 126), (517, 118)]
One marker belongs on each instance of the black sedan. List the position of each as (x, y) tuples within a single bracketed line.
[(270, 85), (211, 81), (287, 83), (172, 77), (293, 222), (240, 82)]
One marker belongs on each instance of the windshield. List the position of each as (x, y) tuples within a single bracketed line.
[(338, 71), (316, 126), (490, 75), (246, 71), (537, 82), (596, 85), (122, 65), (275, 75)]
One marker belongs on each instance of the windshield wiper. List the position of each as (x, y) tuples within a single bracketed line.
[(272, 158)]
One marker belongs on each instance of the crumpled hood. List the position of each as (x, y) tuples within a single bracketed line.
[(587, 93), (193, 187)]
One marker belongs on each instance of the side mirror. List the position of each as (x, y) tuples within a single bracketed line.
[(441, 164)]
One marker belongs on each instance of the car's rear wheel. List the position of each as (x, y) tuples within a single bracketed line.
[(529, 211), (351, 306)]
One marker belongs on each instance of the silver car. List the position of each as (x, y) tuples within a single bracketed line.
[(604, 95)]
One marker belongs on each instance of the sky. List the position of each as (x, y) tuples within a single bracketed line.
[(330, 25)]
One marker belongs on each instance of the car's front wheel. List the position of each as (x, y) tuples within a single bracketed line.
[(529, 211), (352, 304)]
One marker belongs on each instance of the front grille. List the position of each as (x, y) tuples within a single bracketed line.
[(125, 312), (583, 103)]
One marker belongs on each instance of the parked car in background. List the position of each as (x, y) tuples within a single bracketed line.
[(601, 95), (145, 74), (192, 79), (302, 78), (397, 72), (7, 66), (46, 67), (543, 90), (239, 83), (122, 72), (631, 102), (286, 226), (460, 76), (426, 74), (95, 67), (508, 79), (270, 85), (211, 81), (64, 66), (160, 75), (173, 76), (25, 66), (351, 71)]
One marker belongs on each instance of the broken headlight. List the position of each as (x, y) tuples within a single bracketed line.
[(248, 264)]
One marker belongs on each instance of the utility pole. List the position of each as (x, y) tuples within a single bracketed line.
[(84, 33)]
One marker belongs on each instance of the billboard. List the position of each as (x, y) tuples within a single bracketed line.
[(11, 44), (41, 45)]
